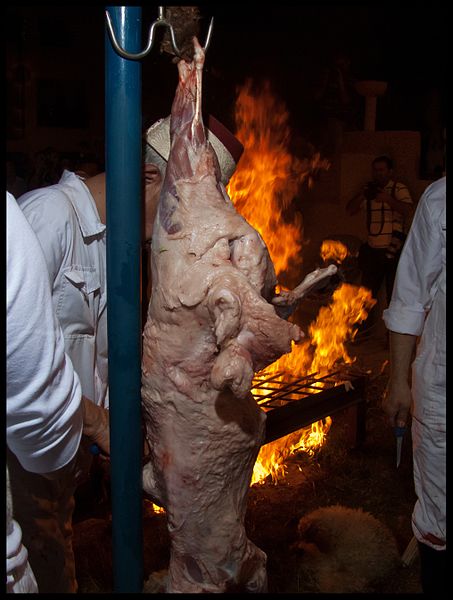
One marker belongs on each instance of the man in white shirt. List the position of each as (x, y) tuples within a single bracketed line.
[(66, 221), (388, 206), (418, 310), (46, 412)]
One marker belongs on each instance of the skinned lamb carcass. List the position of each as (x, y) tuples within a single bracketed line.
[(210, 327)]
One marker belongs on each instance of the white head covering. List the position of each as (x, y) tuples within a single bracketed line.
[(228, 149)]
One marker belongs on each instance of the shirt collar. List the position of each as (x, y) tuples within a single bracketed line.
[(83, 204)]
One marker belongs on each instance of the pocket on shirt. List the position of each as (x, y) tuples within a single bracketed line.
[(78, 304)]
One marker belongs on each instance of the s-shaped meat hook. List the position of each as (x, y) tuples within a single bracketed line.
[(159, 22)]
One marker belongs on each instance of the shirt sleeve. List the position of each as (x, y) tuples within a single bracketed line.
[(402, 194), (418, 269), (44, 412), (48, 209)]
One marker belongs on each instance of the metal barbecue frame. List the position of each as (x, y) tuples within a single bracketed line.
[(292, 403)]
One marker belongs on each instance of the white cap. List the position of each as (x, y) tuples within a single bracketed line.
[(227, 147)]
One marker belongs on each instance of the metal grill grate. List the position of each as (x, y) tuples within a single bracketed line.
[(292, 403)]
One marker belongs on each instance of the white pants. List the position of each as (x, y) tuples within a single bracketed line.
[(429, 457)]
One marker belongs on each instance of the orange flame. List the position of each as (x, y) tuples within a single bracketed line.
[(268, 176), (155, 508), (332, 249), (272, 456), (335, 325), (266, 180)]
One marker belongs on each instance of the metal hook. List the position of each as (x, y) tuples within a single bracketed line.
[(160, 21)]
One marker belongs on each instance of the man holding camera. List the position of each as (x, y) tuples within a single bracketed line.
[(389, 208)]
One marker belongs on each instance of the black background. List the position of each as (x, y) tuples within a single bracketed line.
[(402, 43)]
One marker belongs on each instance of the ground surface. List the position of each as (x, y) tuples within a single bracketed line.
[(363, 477)]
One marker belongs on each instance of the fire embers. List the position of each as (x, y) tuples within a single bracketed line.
[(344, 550)]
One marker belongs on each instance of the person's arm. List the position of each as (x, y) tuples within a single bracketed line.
[(418, 268), (354, 204), (95, 428), (401, 203), (401, 207), (48, 211), (398, 398), (44, 410), (96, 424)]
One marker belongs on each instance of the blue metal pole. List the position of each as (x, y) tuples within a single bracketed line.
[(123, 189)]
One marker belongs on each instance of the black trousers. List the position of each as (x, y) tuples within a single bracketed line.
[(433, 570), (376, 268)]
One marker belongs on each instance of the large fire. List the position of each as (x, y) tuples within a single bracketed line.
[(265, 183)]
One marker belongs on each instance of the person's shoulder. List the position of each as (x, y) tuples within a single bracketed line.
[(437, 188), (49, 201), (50, 212), (400, 186), (434, 196), (403, 191)]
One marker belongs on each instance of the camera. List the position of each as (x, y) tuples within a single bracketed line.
[(371, 190)]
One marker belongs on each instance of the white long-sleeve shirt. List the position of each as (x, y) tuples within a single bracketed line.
[(418, 304), (44, 412), (66, 221)]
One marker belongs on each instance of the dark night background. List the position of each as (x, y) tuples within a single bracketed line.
[(288, 44), (404, 44)]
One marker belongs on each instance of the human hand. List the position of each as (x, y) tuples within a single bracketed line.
[(396, 402), (96, 424)]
